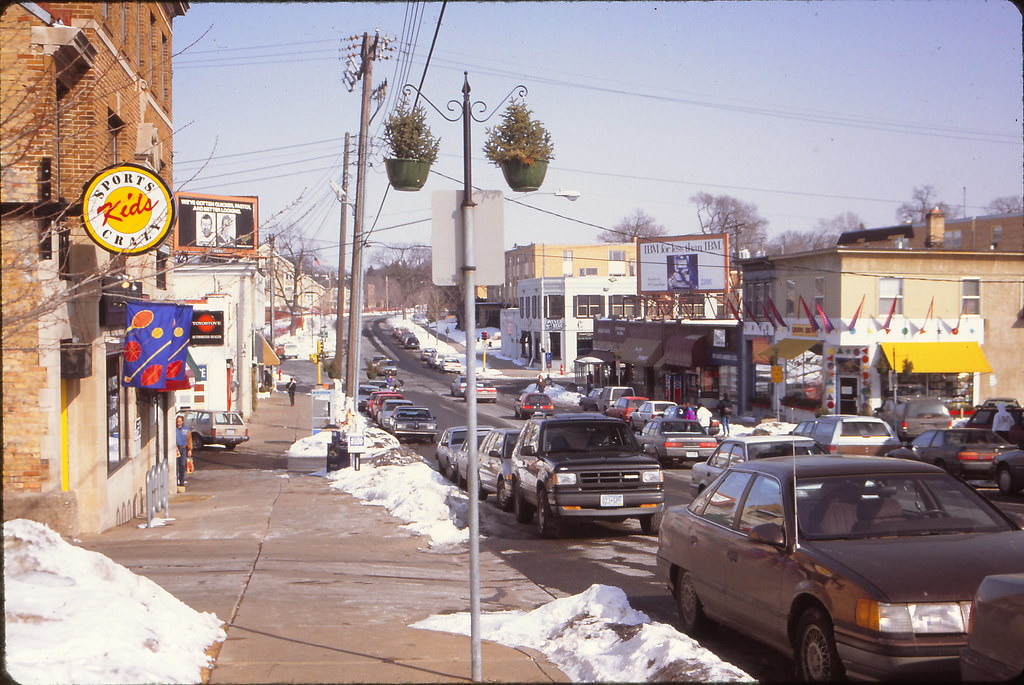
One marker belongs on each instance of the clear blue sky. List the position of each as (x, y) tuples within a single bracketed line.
[(807, 110)]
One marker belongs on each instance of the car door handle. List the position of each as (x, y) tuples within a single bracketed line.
[(693, 540)]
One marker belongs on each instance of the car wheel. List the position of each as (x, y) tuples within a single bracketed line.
[(1004, 479), (197, 441), (481, 494), (651, 524), (547, 520), (816, 657), (523, 510), (504, 495), (691, 609)]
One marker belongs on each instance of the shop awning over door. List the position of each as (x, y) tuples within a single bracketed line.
[(266, 353), (642, 351), (596, 357), (791, 348), (685, 351), (936, 357)]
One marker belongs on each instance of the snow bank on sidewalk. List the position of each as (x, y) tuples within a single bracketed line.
[(75, 616)]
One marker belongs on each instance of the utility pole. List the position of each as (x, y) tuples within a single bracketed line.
[(273, 290), (339, 330), (367, 53)]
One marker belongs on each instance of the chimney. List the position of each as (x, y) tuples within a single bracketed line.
[(936, 223)]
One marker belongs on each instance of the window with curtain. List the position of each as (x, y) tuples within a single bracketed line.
[(970, 296), (890, 289)]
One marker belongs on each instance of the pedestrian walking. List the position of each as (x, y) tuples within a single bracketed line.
[(291, 390), (1002, 422), (724, 412), (183, 447), (687, 412), (540, 382), (704, 417)]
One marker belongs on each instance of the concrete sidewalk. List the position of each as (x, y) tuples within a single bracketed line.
[(315, 587)]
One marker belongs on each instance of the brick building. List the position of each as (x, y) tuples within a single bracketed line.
[(84, 86)]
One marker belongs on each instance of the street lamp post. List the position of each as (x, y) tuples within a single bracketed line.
[(464, 111)]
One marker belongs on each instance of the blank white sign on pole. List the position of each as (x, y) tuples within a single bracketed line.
[(488, 238)]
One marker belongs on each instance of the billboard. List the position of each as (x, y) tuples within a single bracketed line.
[(216, 223), (683, 264)]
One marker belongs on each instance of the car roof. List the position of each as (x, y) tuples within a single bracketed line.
[(759, 439), (588, 416), (835, 465)]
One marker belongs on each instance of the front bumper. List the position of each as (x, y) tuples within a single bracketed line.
[(937, 659), (588, 504)]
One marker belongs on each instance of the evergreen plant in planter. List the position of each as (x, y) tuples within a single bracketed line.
[(521, 147), (413, 147)]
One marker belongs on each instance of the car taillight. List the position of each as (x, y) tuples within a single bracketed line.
[(675, 444), (969, 456), (904, 426), (213, 432), (833, 448), (708, 444)]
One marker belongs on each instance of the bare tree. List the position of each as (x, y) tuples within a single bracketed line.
[(923, 200), (1008, 204), (296, 272), (740, 220), (825, 234), (636, 225)]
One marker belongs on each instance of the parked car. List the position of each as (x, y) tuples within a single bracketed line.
[(387, 408), (373, 402), (530, 403), (912, 416), (412, 422), (648, 411), (964, 452), (588, 402), (1008, 471), (676, 441), (411, 342), (996, 633), (610, 393), (446, 452), (225, 428), (425, 353), (747, 447), (434, 359), (983, 415), (494, 470), (460, 464), (623, 407), (485, 392), (873, 581), (584, 466), (852, 434), (363, 394)]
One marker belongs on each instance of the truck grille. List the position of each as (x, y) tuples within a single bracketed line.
[(604, 479)]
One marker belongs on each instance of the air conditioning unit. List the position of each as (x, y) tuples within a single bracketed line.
[(148, 147)]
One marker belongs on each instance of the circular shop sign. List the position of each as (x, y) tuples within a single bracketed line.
[(127, 209)]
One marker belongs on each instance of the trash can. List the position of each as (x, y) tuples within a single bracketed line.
[(337, 452)]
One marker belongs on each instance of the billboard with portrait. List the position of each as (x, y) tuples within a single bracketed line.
[(216, 223), (683, 264)]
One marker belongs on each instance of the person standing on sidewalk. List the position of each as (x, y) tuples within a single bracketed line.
[(291, 390), (183, 445), (724, 412)]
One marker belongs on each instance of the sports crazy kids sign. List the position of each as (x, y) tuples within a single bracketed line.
[(698, 264), (127, 209)]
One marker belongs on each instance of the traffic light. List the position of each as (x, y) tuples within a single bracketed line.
[(319, 349), (483, 335)]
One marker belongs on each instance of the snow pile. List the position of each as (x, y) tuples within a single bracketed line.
[(596, 636), (75, 616), (316, 445)]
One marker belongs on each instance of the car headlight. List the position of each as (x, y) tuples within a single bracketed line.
[(565, 479), (920, 619), (653, 476)]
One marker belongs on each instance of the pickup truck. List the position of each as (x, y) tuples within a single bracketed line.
[(584, 466)]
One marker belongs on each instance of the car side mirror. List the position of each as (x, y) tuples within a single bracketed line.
[(528, 451), (769, 534)]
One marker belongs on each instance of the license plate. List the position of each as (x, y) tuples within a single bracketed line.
[(691, 455), (612, 500), (230, 431)]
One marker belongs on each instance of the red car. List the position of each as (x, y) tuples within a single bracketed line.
[(530, 403), (624, 406), (375, 399)]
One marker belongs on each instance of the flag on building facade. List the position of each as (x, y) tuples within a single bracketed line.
[(155, 343), (825, 321), (856, 314), (807, 312), (888, 319), (928, 316), (775, 313)]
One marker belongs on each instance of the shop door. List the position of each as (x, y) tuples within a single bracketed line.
[(848, 393)]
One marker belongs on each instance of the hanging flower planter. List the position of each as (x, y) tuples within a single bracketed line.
[(521, 146), (413, 147), (407, 174), (524, 178)]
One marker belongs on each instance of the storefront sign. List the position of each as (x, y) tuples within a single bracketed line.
[(127, 209), (207, 327), (216, 222)]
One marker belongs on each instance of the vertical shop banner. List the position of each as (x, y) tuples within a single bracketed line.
[(155, 343)]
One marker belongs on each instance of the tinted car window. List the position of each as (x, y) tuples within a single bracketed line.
[(228, 418), (721, 507), (580, 437), (681, 427), (864, 429), (924, 439), (781, 449), (762, 505)]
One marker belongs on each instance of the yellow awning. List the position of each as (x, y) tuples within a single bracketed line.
[(790, 348), (936, 357), (268, 356)]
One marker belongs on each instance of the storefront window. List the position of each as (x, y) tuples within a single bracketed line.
[(115, 418)]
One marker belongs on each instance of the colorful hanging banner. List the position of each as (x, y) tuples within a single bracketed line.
[(825, 321), (810, 317), (928, 316), (888, 319), (155, 344), (775, 313), (856, 314)]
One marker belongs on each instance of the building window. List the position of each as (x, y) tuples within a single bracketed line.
[(954, 239), (622, 305), (588, 306), (584, 343), (819, 291), (616, 262), (890, 290), (534, 306), (162, 263), (115, 127), (567, 262), (163, 67), (139, 26), (115, 417), (790, 298), (554, 306), (970, 296), (588, 271), (997, 235)]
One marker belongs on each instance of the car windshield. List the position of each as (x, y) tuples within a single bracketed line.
[(891, 506), (420, 414), (584, 437), (783, 448), (864, 429), (681, 427)]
